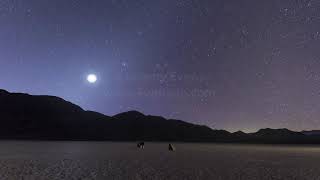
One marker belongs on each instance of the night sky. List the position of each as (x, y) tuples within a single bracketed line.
[(228, 64)]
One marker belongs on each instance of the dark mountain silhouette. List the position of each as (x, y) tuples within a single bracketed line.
[(239, 133), (24, 116), (277, 136), (311, 133)]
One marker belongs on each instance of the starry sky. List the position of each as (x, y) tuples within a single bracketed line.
[(227, 64)]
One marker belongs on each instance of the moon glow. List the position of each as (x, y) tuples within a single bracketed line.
[(92, 78)]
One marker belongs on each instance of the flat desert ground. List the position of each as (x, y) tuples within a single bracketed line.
[(28, 160)]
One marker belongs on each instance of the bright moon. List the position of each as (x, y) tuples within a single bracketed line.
[(92, 78)]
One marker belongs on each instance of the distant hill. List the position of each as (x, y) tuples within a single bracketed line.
[(311, 133), (24, 116), (278, 136)]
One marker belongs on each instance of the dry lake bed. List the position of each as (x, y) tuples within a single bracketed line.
[(27, 160)]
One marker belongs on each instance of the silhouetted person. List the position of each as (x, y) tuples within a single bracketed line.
[(140, 145), (171, 147)]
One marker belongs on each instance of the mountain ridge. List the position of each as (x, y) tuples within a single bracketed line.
[(40, 117)]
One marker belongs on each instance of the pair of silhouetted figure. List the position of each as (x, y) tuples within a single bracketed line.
[(170, 147)]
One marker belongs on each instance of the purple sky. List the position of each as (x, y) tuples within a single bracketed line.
[(235, 65)]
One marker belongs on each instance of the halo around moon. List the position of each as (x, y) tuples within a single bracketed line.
[(92, 78)]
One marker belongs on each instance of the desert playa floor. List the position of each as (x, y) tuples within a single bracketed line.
[(27, 160)]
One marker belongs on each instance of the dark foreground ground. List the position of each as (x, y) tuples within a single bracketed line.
[(99, 160)]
